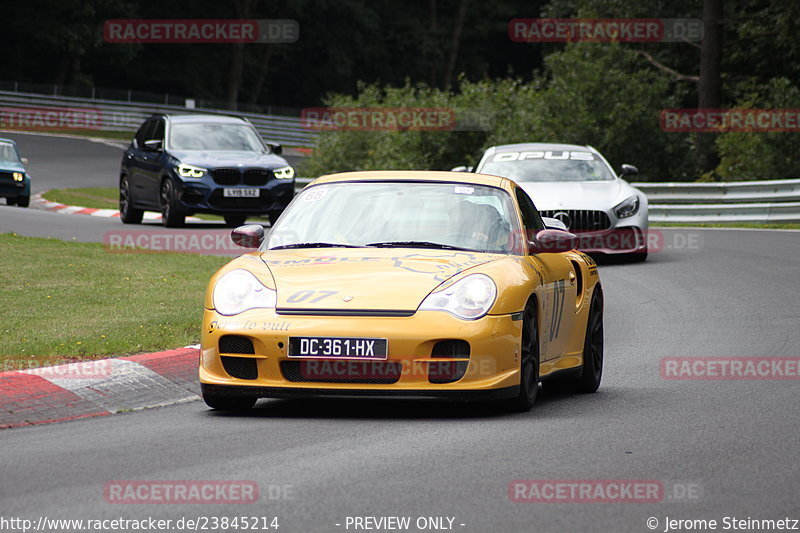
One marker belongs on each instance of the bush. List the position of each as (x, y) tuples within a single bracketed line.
[(758, 155)]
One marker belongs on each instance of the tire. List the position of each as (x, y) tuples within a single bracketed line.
[(273, 219), (11, 201), (592, 372), (229, 403), (637, 257), (234, 221), (529, 364), (127, 213), (171, 215), (23, 201)]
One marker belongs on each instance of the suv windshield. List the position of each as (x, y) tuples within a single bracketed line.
[(215, 137), (400, 214), (547, 166), (8, 152)]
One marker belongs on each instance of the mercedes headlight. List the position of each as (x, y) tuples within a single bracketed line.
[(239, 290), (627, 208), (284, 173), (19, 176), (191, 171), (468, 298)]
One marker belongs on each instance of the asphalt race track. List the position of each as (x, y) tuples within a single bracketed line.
[(68, 162), (720, 448)]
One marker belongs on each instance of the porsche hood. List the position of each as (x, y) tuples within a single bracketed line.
[(359, 279)]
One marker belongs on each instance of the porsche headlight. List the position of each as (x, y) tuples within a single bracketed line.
[(191, 171), (468, 298), (19, 176), (284, 173), (239, 290), (627, 208)]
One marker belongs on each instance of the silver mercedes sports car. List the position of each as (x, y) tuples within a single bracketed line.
[(577, 186)]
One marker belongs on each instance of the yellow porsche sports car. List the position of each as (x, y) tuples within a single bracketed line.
[(403, 284)]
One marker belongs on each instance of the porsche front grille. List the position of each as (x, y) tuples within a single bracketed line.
[(341, 371)]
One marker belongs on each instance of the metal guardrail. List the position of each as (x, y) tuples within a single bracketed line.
[(42, 112), (768, 201)]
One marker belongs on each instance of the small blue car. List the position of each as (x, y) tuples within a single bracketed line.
[(15, 183)]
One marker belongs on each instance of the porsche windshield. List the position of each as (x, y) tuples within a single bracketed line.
[(399, 214), (215, 137), (547, 166)]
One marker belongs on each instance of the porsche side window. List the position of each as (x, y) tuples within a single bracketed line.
[(530, 216)]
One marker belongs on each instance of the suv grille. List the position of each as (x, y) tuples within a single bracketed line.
[(257, 176), (227, 176), (580, 219)]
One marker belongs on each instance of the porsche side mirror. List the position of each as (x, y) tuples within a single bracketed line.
[(24, 160), (554, 223), (553, 241), (249, 236), (629, 170)]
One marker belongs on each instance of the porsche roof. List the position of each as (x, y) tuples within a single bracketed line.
[(414, 175)]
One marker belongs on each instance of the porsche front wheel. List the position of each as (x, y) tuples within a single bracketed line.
[(229, 403), (529, 364)]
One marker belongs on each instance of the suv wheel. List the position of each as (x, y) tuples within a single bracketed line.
[(171, 215), (234, 221), (127, 213)]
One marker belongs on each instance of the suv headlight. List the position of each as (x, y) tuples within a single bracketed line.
[(239, 290), (627, 208), (284, 173), (19, 176), (191, 171), (468, 298)]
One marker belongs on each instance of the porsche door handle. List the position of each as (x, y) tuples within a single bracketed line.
[(572, 278)]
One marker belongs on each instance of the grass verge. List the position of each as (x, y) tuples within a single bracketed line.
[(98, 197), (74, 301)]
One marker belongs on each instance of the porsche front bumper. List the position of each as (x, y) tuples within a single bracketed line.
[(489, 370)]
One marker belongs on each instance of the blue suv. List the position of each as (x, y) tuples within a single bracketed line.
[(186, 164)]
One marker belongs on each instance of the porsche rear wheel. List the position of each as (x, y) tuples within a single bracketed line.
[(592, 347), (529, 364), (591, 371), (229, 403)]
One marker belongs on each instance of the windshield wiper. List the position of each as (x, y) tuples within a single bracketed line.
[(417, 244), (314, 245)]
